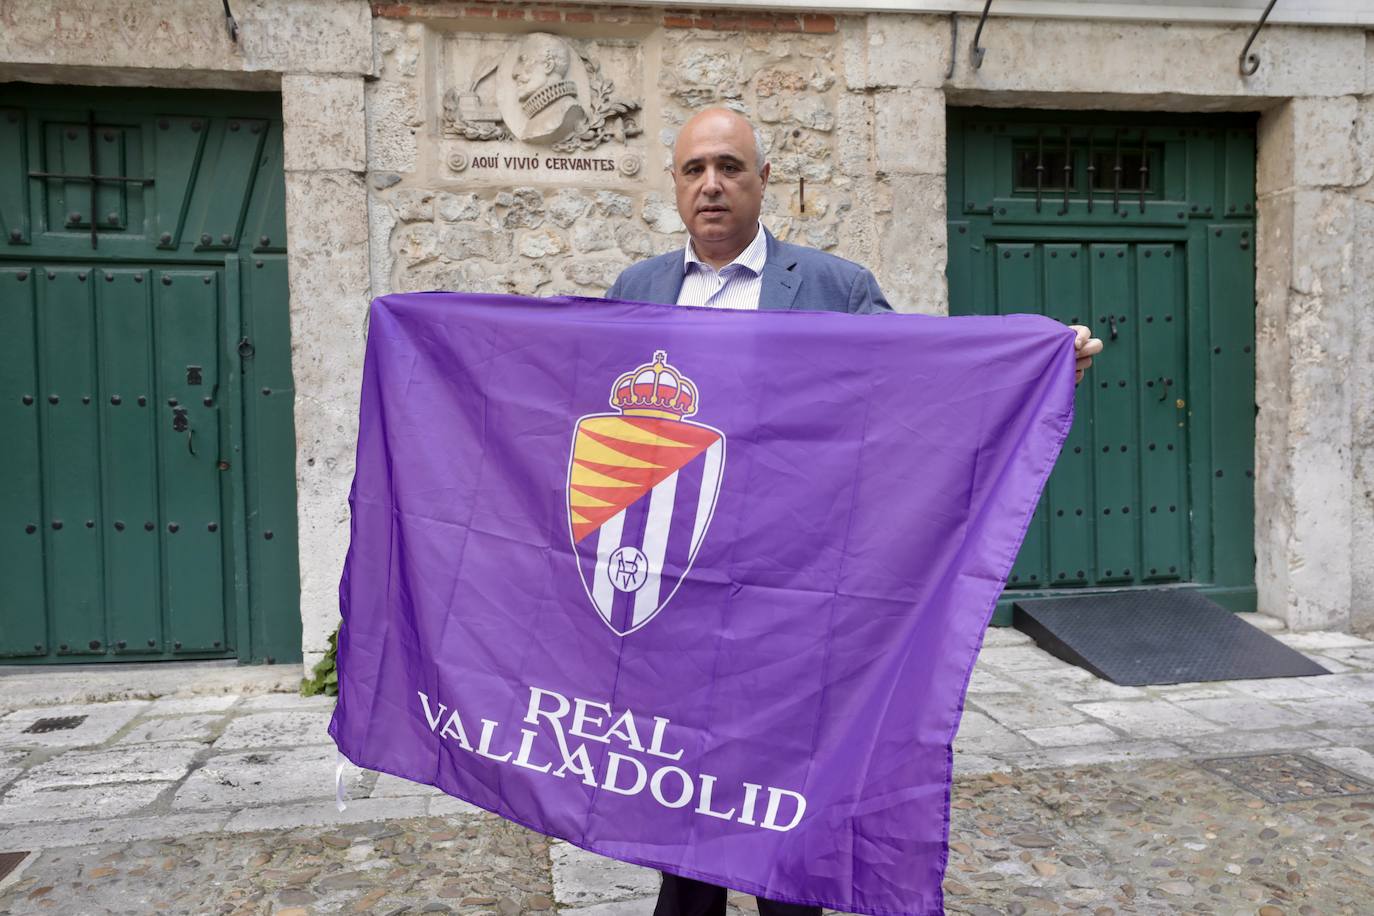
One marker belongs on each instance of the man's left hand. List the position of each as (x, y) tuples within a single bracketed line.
[(1087, 346)]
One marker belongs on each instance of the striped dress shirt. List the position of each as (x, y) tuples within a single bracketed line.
[(734, 286)]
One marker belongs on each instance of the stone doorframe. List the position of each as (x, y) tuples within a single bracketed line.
[(318, 56), (1314, 449)]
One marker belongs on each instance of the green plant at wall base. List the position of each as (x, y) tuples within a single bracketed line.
[(324, 679)]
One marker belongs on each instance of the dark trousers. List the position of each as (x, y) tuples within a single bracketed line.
[(686, 897)]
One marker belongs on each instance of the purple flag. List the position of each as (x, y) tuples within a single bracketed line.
[(697, 589)]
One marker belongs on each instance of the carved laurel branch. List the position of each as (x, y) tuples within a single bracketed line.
[(609, 119)]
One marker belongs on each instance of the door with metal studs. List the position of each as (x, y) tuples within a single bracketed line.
[(1140, 226), (147, 502)]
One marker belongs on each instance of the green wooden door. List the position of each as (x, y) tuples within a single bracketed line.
[(1142, 228), (147, 497)]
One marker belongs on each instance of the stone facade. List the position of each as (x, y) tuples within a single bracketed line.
[(386, 192)]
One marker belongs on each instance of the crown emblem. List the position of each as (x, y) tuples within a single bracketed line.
[(655, 390)]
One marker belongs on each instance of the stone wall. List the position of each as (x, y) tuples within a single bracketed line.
[(545, 233), (382, 196)]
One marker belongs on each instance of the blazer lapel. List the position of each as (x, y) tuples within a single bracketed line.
[(665, 286), (779, 281)]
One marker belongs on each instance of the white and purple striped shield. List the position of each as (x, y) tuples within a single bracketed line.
[(642, 487)]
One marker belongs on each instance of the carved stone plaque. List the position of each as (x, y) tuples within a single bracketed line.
[(541, 103)]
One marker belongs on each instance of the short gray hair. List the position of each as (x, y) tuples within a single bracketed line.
[(759, 160)]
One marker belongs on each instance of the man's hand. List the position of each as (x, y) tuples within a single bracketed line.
[(1087, 347)]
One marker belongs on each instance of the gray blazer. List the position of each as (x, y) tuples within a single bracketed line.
[(793, 278)]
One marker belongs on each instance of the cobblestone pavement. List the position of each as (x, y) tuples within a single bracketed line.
[(1071, 794), (1164, 836)]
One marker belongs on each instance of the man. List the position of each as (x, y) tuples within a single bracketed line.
[(731, 261)]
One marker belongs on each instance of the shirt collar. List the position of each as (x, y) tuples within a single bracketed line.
[(751, 258)]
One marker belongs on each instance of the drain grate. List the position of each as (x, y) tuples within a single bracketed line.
[(1279, 778), (9, 861), (54, 724)]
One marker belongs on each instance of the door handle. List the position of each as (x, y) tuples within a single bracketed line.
[(1111, 322), (1164, 384), (181, 423)]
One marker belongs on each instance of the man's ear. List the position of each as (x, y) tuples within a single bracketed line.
[(765, 172)]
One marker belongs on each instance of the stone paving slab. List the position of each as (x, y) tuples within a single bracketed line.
[(48, 834), (1149, 718), (1071, 735), (388, 786), (25, 687), (1317, 641), (1335, 711), (290, 701), (324, 813), (102, 721), (1017, 658), (276, 729), (1351, 760), (1068, 684), (201, 728), (581, 877), (165, 762), (80, 803), (181, 706), (1036, 711), (1247, 714), (979, 734), (1360, 659), (265, 777), (1255, 742), (1284, 688), (1116, 752), (984, 681)]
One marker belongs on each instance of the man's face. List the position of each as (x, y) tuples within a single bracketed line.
[(530, 70), (716, 178)]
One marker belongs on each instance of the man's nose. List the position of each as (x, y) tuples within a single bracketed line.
[(710, 183)]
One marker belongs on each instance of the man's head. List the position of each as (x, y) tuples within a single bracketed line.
[(542, 59), (719, 175)]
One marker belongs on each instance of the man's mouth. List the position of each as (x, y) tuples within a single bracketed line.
[(713, 208)]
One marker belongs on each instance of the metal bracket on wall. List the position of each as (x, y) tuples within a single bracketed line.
[(978, 50), (953, 44), (230, 23), (1249, 63)]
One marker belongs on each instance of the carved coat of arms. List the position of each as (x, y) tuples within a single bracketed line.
[(542, 90)]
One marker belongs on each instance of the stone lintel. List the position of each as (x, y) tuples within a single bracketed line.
[(1150, 59), (292, 36)]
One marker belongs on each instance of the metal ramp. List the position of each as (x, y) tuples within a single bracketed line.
[(1157, 636)]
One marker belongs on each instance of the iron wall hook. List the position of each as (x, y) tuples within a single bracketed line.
[(979, 51), (231, 23), (953, 45), (1249, 63)]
